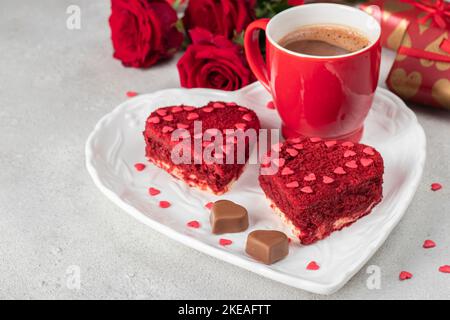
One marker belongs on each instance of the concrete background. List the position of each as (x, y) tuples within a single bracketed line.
[(55, 84)]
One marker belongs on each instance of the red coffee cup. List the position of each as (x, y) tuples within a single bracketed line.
[(317, 96)]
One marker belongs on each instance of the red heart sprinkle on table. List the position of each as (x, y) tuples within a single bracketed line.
[(225, 242), (207, 109), (270, 105), (192, 116), (292, 185), (348, 144), (176, 109), (240, 126), (306, 190), (313, 266), (339, 170), (351, 164), (168, 118), (310, 177), (188, 108), (427, 244), (436, 186), (218, 105), (154, 120), (247, 117), (209, 205), (330, 143), (167, 129), (292, 152), (182, 126), (405, 275), (327, 180), (164, 204), (349, 153), (131, 94), (444, 269), (315, 139), (298, 146), (287, 171), (193, 224), (366, 162), (139, 166), (161, 112), (153, 192), (369, 151)]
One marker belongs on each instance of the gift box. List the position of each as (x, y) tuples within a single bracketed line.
[(421, 71), (396, 15)]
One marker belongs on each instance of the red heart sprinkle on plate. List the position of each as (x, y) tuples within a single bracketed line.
[(164, 204), (153, 192), (193, 224), (225, 242), (209, 205), (313, 266), (139, 166), (270, 105)]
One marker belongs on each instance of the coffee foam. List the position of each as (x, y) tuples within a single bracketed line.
[(347, 38)]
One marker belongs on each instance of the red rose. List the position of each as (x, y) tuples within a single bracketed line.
[(213, 61), (143, 31), (224, 17)]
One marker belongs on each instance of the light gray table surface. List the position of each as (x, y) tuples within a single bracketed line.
[(55, 84)]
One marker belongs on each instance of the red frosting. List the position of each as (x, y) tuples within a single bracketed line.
[(326, 186), (214, 116)]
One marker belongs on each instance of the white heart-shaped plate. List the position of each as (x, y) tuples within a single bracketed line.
[(116, 144)]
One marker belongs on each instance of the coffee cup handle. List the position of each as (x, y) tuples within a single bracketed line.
[(253, 52)]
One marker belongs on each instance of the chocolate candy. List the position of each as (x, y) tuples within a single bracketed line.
[(267, 246), (227, 217)]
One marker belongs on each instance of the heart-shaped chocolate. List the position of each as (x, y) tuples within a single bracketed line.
[(267, 246), (228, 217), (202, 146), (330, 185)]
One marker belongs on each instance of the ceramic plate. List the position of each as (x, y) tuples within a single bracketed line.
[(116, 144)]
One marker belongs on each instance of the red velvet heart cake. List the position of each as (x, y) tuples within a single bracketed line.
[(323, 186), (216, 119)]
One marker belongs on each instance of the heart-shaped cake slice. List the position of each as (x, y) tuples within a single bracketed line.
[(322, 186), (205, 147)]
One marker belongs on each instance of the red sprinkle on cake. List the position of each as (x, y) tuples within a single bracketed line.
[(324, 186), (215, 117)]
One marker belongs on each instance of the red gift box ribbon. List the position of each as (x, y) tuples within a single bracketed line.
[(438, 11), (422, 54)]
